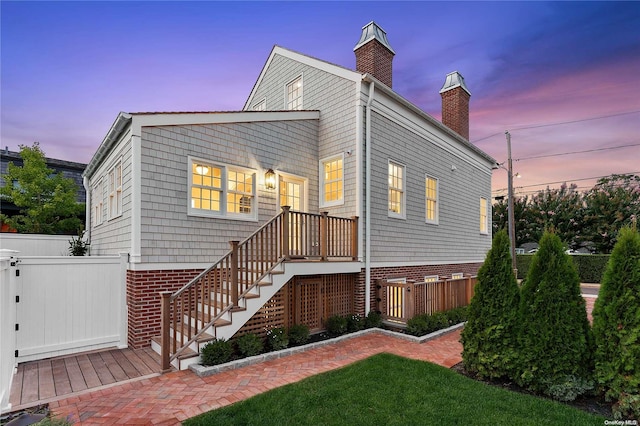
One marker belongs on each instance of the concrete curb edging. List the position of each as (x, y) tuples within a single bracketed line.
[(202, 371)]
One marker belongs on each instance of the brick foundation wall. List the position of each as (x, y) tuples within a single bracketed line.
[(143, 301), (416, 273)]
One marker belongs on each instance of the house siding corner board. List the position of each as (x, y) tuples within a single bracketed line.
[(113, 235), (335, 97), (143, 301), (411, 240), (169, 233)]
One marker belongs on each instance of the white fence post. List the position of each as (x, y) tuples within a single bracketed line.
[(124, 318), (7, 324)]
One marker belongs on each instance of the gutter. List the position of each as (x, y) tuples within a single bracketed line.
[(121, 122), (367, 186)]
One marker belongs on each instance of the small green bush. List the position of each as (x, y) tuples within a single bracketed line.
[(277, 339), (298, 334), (216, 352), (627, 407), (336, 325), (570, 388), (374, 319), (249, 345), (355, 323), (616, 323), (419, 325), (457, 315)]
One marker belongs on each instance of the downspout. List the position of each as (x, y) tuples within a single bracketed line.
[(87, 209), (367, 190)]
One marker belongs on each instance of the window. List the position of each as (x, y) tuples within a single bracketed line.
[(484, 228), (332, 181), (431, 278), (396, 190), (294, 94), (97, 198), (457, 276), (115, 190), (431, 199), (221, 190), (261, 106)]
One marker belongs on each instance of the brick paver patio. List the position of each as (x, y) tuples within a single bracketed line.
[(174, 397)]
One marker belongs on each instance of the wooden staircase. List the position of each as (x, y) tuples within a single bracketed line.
[(219, 301)]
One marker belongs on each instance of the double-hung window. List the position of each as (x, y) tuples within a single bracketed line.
[(332, 181), (293, 94), (115, 190), (484, 216), (260, 106), (431, 199), (221, 190), (397, 201)]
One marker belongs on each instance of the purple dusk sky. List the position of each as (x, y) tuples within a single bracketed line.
[(68, 68)]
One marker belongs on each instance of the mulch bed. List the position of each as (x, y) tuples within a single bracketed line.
[(590, 404)]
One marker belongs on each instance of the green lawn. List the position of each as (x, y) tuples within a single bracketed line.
[(389, 390)]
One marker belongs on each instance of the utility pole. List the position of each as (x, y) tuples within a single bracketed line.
[(511, 216)]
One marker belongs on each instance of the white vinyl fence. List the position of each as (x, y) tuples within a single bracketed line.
[(7, 320), (70, 304), (36, 244)]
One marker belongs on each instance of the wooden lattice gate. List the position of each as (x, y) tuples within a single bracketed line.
[(308, 300)]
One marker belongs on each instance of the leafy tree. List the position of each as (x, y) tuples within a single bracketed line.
[(489, 336), (555, 337), (614, 202), (47, 200), (526, 230), (616, 323)]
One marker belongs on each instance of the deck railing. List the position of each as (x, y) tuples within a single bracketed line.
[(189, 312), (399, 302)]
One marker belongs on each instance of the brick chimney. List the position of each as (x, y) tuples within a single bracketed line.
[(374, 54), (455, 104)]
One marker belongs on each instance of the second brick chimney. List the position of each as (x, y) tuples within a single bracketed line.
[(455, 104), (374, 55)]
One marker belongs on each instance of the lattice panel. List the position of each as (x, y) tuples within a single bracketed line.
[(308, 303), (339, 294), (273, 314)]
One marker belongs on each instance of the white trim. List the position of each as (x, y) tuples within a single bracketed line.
[(261, 101), (486, 216), (321, 180), (136, 198), (194, 118), (224, 191), (435, 221), (423, 263), (113, 192), (402, 280), (403, 202)]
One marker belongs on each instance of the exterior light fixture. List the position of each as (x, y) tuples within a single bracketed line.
[(270, 179), (202, 170)]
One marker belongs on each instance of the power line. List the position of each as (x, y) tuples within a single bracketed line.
[(565, 181), (535, 126), (576, 152)]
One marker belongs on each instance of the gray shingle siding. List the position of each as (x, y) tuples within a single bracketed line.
[(457, 235), (335, 98), (169, 234)]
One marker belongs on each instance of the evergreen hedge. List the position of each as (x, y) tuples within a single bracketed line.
[(616, 327), (555, 339), (590, 267), (489, 336)]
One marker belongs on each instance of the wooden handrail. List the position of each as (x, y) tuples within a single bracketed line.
[(194, 308)]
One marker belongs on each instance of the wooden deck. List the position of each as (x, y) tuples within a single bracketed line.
[(39, 382)]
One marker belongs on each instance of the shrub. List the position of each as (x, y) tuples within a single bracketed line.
[(419, 325), (570, 388), (591, 267), (336, 325), (457, 315), (616, 323), (355, 323), (277, 338), (439, 320), (555, 340), (249, 345), (489, 337), (374, 319), (216, 352), (299, 334), (627, 407)]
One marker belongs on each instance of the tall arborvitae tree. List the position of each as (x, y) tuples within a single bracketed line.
[(556, 343), (616, 325), (489, 336)]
